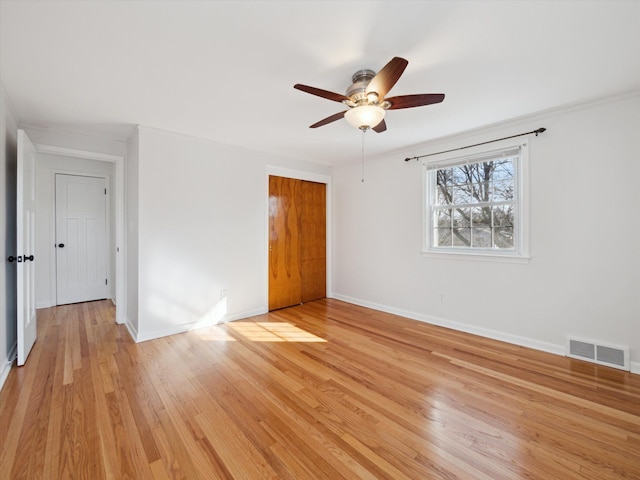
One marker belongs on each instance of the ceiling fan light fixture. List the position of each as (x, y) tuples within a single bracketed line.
[(365, 116)]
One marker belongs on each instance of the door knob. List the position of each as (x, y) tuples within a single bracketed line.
[(19, 258), (61, 245)]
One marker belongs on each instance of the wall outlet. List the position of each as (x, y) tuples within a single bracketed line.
[(223, 294), (442, 297)]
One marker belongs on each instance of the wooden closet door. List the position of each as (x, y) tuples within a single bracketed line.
[(313, 241), (285, 280), (297, 241)]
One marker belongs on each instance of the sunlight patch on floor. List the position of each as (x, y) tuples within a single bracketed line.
[(272, 332), (214, 334)]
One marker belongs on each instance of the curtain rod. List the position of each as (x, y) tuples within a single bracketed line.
[(538, 131)]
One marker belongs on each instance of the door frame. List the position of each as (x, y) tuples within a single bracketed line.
[(298, 175), (118, 192)]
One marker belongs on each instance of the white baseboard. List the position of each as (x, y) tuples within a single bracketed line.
[(243, 315), (462, 327), (635, 367), (133, 332), (5, 368), (187, 327), (47, 303)]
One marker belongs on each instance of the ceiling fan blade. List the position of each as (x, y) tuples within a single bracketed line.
[(336, 97), (387, 77), (409, 101), (332, 118), (381, 127)]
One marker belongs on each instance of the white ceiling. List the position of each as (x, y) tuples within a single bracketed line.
[(225, 70)]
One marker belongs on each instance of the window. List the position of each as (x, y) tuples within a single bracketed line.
[(475, 204)]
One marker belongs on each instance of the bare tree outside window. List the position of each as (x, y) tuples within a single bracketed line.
[(474, 205)]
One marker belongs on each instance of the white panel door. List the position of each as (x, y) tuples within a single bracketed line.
[(81, 246), (25, 223)]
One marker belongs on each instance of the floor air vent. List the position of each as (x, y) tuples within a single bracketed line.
[(592, 351)]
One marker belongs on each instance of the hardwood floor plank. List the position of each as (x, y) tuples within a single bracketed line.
[(325, 390), (131, 448), (107, 442), (138, 394), (115, 433), (305, 453), (44, 398), (12, 464)]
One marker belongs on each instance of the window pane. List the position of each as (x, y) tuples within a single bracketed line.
[(444, 196), (481, 237), (503, 191), (459, 175), (462, 194), (462, 217), (443, 218), (461, 237), (482, 192), (481, 216), (442, 237), (503, 216), (444, 187), (445, 177), (503, 237), (503, 169)]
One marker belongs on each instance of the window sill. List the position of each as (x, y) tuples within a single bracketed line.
[(479, 257)]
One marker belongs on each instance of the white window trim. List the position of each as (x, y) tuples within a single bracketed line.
[(521, 252)]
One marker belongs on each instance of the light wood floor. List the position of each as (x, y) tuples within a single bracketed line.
[(326, 390)]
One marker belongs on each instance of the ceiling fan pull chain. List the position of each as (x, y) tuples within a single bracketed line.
[(364, 131)]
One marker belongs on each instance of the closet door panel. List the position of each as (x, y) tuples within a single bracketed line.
[(313, 241), (285, 280)]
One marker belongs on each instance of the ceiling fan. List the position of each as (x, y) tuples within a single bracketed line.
[(366, 97)]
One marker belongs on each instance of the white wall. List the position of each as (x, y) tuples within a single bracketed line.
[(131, 235), (79, 142), (584, 275), (201, 229), (8, 150), (47, 166)]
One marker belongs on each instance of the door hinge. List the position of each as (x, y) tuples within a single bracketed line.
[(106, 282), (105, 191)]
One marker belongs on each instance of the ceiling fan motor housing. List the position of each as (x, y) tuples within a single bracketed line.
[(357, 91)]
